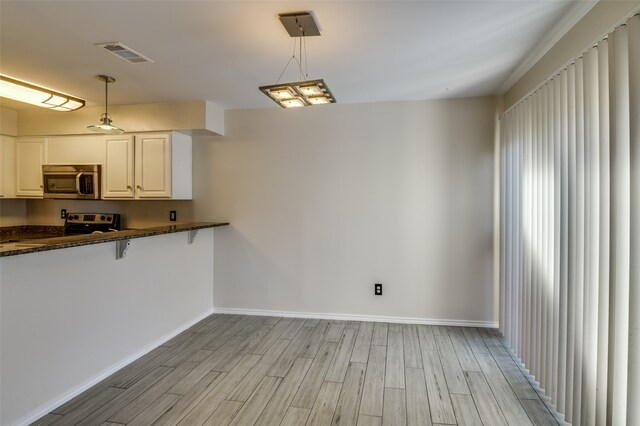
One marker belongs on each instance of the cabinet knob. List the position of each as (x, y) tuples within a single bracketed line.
[(41, 186), (129, 187)]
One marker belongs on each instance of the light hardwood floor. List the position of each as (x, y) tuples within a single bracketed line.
[(243, 370)]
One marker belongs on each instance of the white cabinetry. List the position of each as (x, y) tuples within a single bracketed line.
[(117, 171), (148, 166), (153, 166), (30, 154), (7, 168)]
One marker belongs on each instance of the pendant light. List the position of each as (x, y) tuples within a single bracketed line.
[(105, 125), (304, 92)]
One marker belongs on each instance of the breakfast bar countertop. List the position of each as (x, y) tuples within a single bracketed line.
[(31, 239)]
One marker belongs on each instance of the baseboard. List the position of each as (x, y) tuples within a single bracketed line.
[(67, 396), (349, 317)]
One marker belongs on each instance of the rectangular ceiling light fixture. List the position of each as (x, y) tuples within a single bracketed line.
[(35, 95), (124, 52), (299, 94), (306, 92)]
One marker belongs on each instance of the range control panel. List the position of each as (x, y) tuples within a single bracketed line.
[(91, 218)]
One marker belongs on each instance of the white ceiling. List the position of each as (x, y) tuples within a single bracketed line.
[(222, 51)]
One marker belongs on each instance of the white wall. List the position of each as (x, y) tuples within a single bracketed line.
[(325, 201), (135, 214), (70, 316), (201, 116), (8, 122)]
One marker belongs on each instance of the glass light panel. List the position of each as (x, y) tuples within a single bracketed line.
[(311, 90), (292, 103), (281, 93), (318, 100)]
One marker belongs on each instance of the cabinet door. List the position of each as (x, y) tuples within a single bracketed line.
[(153, 166), (2, 166), (30, 155), (117, 171), (7, 169)]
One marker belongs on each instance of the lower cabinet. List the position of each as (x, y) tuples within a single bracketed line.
[(148, 166)]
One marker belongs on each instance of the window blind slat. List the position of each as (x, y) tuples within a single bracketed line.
[(564, 306), (573, 226), (602, 318), (633, 392), (580, 237), (619, 327)]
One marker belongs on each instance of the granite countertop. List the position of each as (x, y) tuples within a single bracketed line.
[(25, 239)]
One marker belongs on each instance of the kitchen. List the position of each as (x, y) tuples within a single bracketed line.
[(286, 212)]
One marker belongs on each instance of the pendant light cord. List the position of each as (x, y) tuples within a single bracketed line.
[(300, 55), (306, 61), (300, 60), (106, 97)]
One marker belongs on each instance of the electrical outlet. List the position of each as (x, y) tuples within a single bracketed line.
[(172, 216), (63, 213), (377, 289)]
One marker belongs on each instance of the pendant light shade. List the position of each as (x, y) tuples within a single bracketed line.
[(105, 125)]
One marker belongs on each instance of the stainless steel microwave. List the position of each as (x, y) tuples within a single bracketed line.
[(71, 181)]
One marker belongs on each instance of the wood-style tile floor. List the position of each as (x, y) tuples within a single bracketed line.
[(242, 370)]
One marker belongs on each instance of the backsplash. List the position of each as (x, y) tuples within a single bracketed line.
[(13, 212), (134, 213)]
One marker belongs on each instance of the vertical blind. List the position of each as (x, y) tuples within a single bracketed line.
[(570, 233)]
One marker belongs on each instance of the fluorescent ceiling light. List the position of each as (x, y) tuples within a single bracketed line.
[(35, 95)]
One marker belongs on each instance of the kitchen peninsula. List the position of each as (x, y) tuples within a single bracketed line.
[(72, 311), (14, 242)]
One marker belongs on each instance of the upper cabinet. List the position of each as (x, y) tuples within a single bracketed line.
[(117, 171), (153, 166), (3, 166), (7, 167), (134, 167), (30, 155), (148, 166)]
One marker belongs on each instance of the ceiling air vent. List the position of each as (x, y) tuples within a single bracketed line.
[(124, 52)]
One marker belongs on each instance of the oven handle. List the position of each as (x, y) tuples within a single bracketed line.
[(78, 183)]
